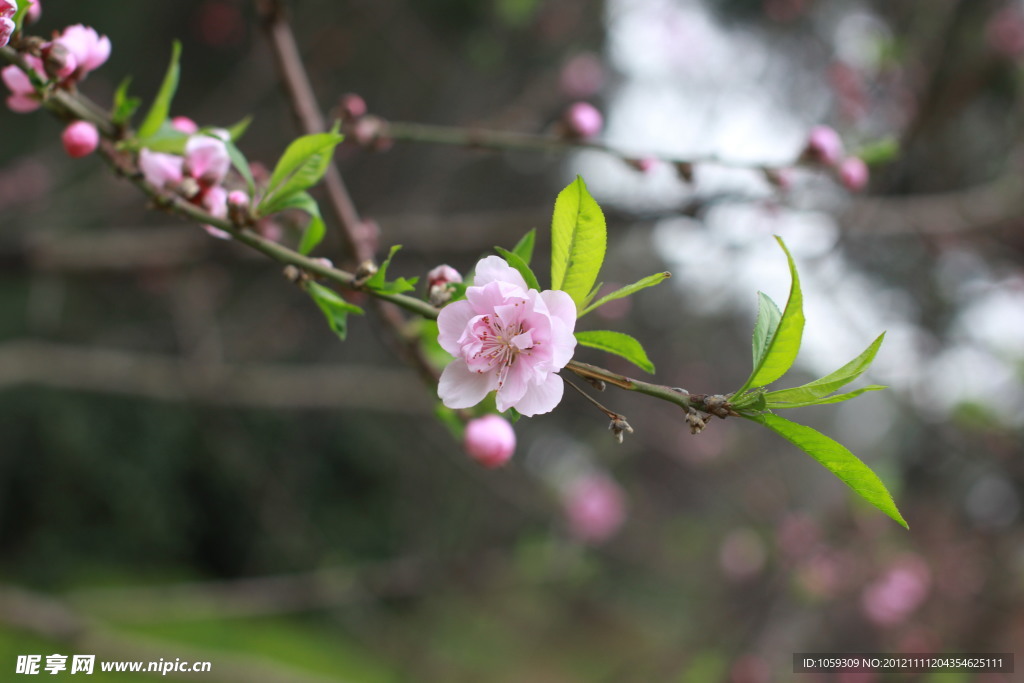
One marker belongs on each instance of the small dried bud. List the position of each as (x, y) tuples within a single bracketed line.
[(696, 421), (779, 178), (325, 262), (367, 129), (364, 272), (618, 427), (685, 171), (598, 384), (643, 164), (718, 405), (293, 274), (238, 208)]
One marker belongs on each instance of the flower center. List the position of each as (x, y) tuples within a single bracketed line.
[(501, 345)]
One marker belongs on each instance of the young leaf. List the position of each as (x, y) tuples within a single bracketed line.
[(241, 165), (124, 104), (524, 247), (238, 130), (334, 308), (837, 459), (768, 318), (618, 343), (378, 281), (302, 165), (628, 290), (781, 349), (314, 231), (519, 264), (838, 398), (809, 393), (162, 103), (578, 242)]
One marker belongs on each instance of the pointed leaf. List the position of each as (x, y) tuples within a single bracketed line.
[(161, 107), (378, 281), (837, 398), (302, 165), (524, 247), (618, 343), (314, 232), (241, 165), (628, 290), (768, 318), (837, 459), (238, 130), (578, 242), (808, 393), (519, 264), (334, 308), (124, 104), (781, 349)]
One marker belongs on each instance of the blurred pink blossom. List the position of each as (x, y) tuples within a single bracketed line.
[(23, 97), (490, 440), (35, 10), (824, 146), (595, 508), (582, 76), (892, 597), (88, 49), (853, 173), (742, 554), (1005, 32), (506, 337), (8, 8), (582, 120), (185, 125)]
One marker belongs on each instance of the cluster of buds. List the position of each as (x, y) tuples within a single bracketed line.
[(361, 127), (66, 59), (825, 148), (197, 176)]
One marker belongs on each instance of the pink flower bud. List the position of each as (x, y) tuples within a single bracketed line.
[(80, 139), (206, 159), (6, 29), (58, 60), (490, 440), (35, 10), (824, 146), (582, 120), (351, 106), (442, 275), (238, 198), (853, 173), (23, 97), (8, 8), (185, 125), (160, 170), (595, 508), (643, 164)]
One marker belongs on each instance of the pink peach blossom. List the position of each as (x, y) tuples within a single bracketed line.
[(853, 173), (23, 97), (206, 159), (159, 169), (89, 49), (184, 125), (35, 10), (8, 8), (824, 146), (595, 508), (506, 337), (6, 29), (583, 120)]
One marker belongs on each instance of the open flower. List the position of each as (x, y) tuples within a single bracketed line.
[(506, 337), (87, 49), (23, 97)]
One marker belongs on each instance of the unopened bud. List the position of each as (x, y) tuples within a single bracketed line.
[(185, 125), (582, 121), (238, 208), (824, 146), (368, 129), (853, 173), (35, 10), (364, 272), (80, 139), (618, 427), (685, 171), (696, 421), (351, 107), (718, 405), (490, 440), (643, 164)]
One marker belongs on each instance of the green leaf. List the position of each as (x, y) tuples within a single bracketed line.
[(241, 165), (378, 281), (838, 398), (524, 247), (302, 165), (781, 349), (578, 242), (238, 130), (768, 318), (879, 152), (19, 14), (124, 104), (162, 103), (628, 290), (334, 308), (512, 415), (837, 459), (314, 232), (618, 343), (519, 264), (809, 393)]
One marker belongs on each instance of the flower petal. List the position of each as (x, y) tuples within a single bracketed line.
[(540, 398), (561, 306), (452, 321), (495, 269), (462, 388)]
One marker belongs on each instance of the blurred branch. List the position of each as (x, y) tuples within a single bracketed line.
[(982, 208), (169, 379)]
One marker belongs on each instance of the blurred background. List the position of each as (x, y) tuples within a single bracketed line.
[(194, 466)]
